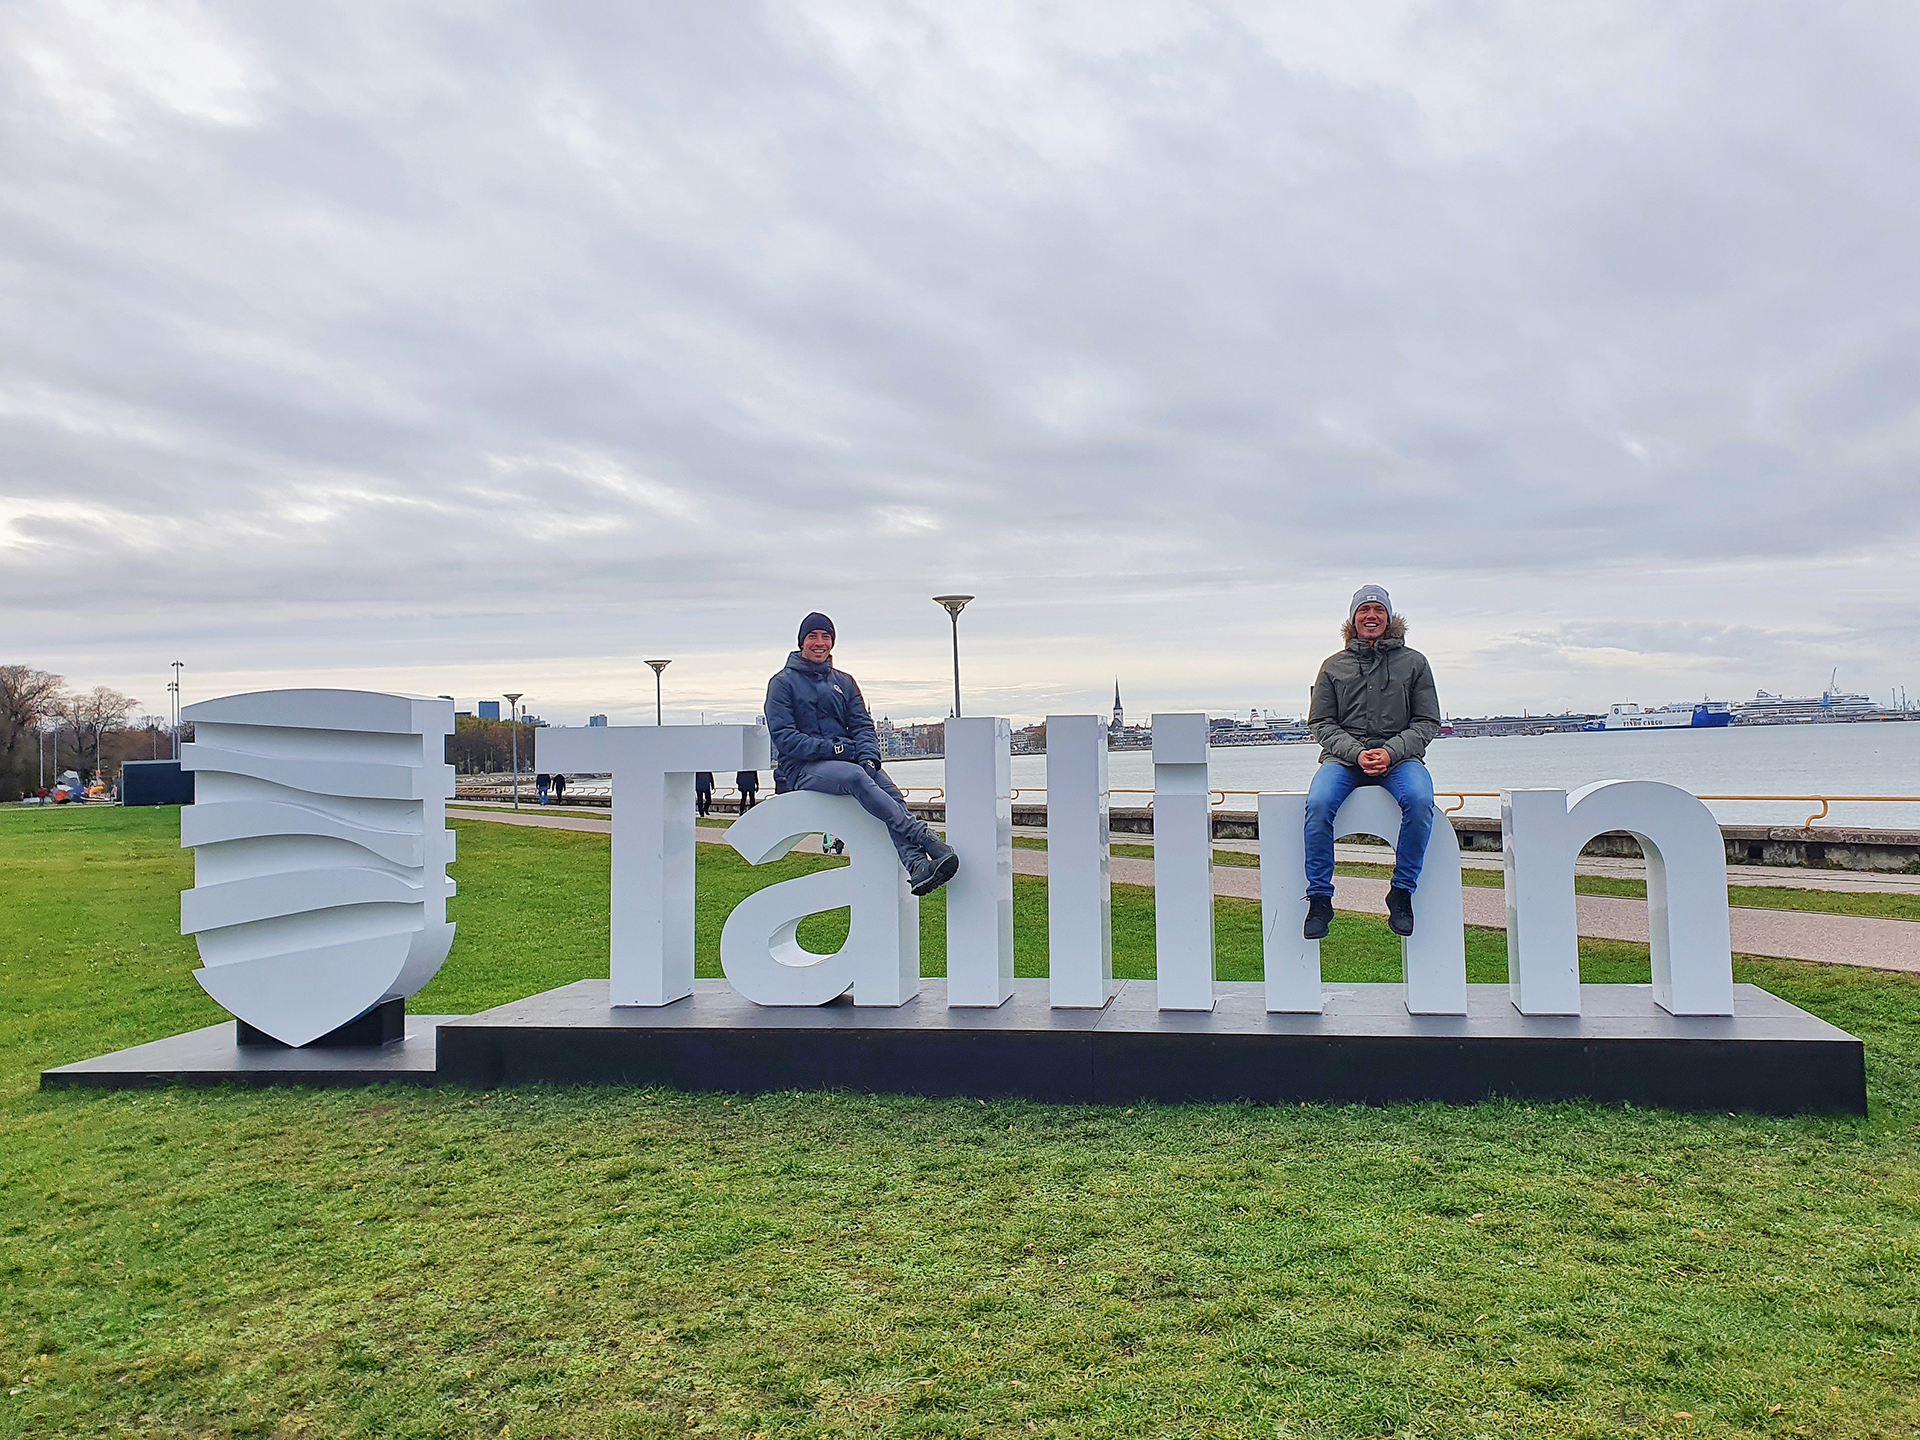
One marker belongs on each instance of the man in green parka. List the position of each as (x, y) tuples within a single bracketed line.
[(1374, 710)]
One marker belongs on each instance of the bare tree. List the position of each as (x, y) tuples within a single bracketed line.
[(27, 697), (95, 713)]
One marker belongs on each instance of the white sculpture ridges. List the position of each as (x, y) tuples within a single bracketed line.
[(759, 948), (320, 853)]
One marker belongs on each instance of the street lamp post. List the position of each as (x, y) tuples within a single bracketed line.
[(658, 666), (174, 688), (513, 726), (954, 605)]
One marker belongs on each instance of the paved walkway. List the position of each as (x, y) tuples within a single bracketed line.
[(1780, 934)]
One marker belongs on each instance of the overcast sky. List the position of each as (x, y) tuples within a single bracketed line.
[(464, 347)]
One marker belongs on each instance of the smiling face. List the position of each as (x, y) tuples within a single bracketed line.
[(817, 645), (1370, 620)]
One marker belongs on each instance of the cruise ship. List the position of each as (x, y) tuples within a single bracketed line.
[(1766, 709), (1706, 715)]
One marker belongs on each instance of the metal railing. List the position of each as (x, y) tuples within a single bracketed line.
[(1460, 797), (935, 794), (1824, 801)]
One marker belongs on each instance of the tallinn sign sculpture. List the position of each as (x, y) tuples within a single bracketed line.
[(321, 850), (319, 905), (1544, 831)]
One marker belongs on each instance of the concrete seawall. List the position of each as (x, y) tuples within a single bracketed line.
[(1832, 849)]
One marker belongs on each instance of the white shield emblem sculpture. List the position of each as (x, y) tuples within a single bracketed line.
[(320, 853)]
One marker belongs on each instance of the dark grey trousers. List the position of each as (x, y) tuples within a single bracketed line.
[(878, 796)]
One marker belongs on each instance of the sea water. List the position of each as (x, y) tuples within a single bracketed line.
[(1859, 758)]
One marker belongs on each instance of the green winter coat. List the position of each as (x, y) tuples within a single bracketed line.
[(1377, 696)]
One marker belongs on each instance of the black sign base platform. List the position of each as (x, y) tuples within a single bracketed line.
[(217, 1055), (1768, 1057)]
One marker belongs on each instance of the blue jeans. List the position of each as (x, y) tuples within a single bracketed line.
[(1408, 782), (878, 796)]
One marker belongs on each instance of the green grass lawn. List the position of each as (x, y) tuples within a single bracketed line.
[(555, 1262)]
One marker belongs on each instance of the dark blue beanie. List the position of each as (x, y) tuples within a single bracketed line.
[(813, 622)]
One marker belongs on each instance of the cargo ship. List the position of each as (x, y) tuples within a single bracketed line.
[(1705, 715)]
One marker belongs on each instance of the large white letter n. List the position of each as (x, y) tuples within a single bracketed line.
[(1542, 833)]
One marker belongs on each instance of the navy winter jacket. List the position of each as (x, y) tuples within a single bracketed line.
[(815, 712)]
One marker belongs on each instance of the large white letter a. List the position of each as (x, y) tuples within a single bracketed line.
[(759, 951)]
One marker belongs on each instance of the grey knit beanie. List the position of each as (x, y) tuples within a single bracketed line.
[(1376, 593)]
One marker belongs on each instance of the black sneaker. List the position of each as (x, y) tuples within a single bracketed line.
[(1400, 911), (930, 874), (1319, 916)]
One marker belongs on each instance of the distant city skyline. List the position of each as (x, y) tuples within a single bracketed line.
[(642, 714)]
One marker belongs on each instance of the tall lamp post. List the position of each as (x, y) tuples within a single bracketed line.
[(513, 723), (954, 605), (658, 666), (174, 688)]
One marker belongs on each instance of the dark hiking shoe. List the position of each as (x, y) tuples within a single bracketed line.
[(1319, 916), (929, 840), (930, 873), (1400, 911)]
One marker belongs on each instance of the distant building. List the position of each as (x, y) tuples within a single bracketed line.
[(1119, 723), (1521, 724), (597, 722), (909, 742), (489, 709)]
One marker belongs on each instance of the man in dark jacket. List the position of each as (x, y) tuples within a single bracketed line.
[(1374, 710), (823, 739)]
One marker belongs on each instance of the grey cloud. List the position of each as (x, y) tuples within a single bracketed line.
[(681, 315)]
